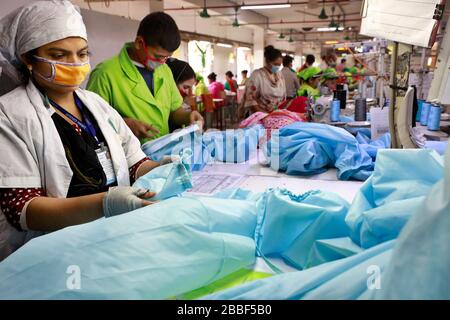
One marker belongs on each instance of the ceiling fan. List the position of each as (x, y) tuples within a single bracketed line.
[(204, 13)]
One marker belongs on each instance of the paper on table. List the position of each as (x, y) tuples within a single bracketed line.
[(379, 122), (406, 21), (209, 183)]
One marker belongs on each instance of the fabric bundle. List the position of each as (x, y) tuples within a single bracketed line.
[(312, 148), (233, 146)]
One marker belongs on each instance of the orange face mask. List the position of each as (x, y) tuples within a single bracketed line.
[(65, 73)]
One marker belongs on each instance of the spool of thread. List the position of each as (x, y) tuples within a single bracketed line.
[(424, 113), (434, 118), (335, 110), (360, 109), (341, 95)]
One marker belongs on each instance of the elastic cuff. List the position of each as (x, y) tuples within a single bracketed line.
[(23, 215)]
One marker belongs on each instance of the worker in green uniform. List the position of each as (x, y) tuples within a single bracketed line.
[(200, 86), (328, 81), (310, 81), (138, 83)]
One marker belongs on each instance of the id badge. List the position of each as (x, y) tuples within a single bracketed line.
[(104, 157)]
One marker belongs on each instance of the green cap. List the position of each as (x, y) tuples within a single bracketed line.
[(330, 73), (199, 77), (310, 72), (353, 70)]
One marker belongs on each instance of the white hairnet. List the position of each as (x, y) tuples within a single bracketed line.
[(31, 27)]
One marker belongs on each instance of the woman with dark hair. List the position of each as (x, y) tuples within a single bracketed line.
[(183, 74), (184, 77), (265, 90), (230, 84), (244, 74), (215, 87)]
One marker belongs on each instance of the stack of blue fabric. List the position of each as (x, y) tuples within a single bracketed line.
[(233, 146)]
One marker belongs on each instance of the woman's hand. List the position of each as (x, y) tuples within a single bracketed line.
[(123, 199), (196, 118)]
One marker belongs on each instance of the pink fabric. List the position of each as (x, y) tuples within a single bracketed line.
[(254, 118), (274, 120), (215, 89)]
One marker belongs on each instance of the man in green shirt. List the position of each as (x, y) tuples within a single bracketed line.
[(138, 83)]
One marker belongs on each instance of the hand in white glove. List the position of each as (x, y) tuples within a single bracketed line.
[(123, 199), (170, 159)]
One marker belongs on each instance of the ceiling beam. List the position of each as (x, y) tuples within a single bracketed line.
[(294, 22), (218, 5)]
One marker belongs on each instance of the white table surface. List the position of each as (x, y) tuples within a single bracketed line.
[(258, 177)]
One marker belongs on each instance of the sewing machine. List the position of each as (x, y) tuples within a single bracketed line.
[(320, 109)]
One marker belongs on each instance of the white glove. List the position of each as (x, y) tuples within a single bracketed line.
[(124, 199), (169, 159)]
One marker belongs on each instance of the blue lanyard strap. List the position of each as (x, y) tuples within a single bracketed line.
[(87, 126)]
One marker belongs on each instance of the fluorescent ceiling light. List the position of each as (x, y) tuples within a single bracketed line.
[(225, 45), (265, 6), (245, 48), (329, 29)]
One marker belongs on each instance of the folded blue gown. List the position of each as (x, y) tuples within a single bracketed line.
[(309, 148)]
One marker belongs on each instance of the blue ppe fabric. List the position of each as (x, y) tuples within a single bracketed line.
[(386, 201), (155, 252), (234, 146), (420, 264), (311, 148), (288, 224), (356, 130), (438, 146), (343, 279), (372, 147), (175, 143), (414, 266), (184, 243), (418, 267), (168, 180), (325, 250)]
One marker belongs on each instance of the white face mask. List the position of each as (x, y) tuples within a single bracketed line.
[(152, 65), (275, 69)]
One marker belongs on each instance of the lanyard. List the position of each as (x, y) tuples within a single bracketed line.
[(87, 126)]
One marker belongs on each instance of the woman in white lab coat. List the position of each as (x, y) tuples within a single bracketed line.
[(67, 157)]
